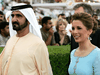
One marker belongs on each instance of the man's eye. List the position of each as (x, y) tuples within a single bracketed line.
[(73, 28), (12, 15), (18, 15), (1, 16)]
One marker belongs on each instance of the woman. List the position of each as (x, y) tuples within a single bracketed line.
[(85, 60), (61, 36)]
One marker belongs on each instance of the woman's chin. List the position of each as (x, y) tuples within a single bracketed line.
[(77, 41)]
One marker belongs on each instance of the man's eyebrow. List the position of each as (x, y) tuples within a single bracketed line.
[(17, 14)]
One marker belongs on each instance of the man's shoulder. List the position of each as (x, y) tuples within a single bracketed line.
[(42, 32), (34, 38), (0, 36)]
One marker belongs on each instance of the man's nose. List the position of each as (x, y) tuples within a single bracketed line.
[(14, 19)]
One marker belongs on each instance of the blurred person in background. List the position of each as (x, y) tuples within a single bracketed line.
[(47, 31), (60, 16), (95, 37), (61, 36), (2, 16), (69, 26), (95, 16), (4, 32)]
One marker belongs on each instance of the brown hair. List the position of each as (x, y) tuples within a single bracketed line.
[(60, 21), (87, 20)]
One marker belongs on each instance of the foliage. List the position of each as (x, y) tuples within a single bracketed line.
[(59, 59)]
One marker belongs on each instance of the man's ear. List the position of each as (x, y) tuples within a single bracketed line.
[(44, 24), (2, 30)]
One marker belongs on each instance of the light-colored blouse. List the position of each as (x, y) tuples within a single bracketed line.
[(88, 65)]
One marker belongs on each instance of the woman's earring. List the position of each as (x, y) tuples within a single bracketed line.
[(89, 38)]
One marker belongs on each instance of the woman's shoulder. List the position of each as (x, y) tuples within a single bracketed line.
[(97, 50), (73, 51)]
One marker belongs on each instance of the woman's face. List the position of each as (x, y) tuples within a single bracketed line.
[(61, 26), (79, 31)]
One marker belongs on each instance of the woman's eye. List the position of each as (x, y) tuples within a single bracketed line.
[(60, 24), (79, 28)]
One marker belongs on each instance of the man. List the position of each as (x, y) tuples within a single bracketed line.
[(25, 53), (47, 31), (95, 16), (95, 38), (4, 32), (61, 16), (2, 17)]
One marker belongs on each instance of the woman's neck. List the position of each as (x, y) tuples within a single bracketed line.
[(60, 32), (86, 45)]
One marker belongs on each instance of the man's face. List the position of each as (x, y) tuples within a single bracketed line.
[(96, 17), (79, 10), (6, 31), (48, 25), (1, 18), (18, 20)]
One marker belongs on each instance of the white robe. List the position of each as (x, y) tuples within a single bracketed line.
[(29, 56)]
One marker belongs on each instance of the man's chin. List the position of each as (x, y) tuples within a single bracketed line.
[(47, 29), (0, 21), (16, 29)]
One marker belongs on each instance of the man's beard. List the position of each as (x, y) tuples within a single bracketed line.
[(1, 20), (19, 27), (47, 29), (6, 34)]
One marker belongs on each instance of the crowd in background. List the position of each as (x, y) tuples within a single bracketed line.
[(54, 32)]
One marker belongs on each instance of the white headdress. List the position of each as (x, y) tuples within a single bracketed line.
[(8, 13), (30, 16)]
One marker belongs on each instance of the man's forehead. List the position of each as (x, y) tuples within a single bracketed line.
[(17, 12), (1, 15), (49, 21)]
